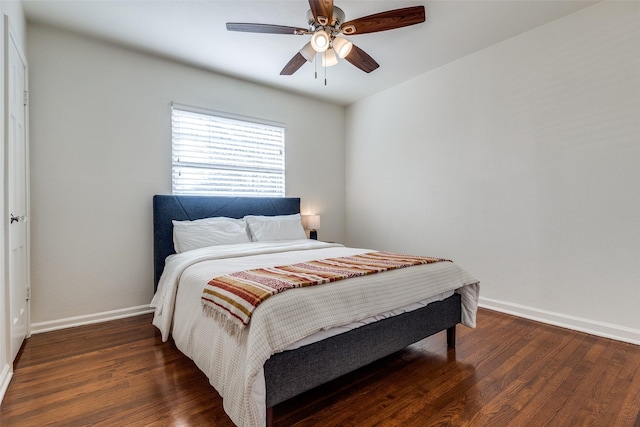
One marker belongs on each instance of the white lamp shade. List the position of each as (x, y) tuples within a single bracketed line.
[(308, 53), (311, 222), (329, 58), (342, 46), (320, 41)]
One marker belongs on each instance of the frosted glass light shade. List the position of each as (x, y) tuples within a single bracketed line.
[(308, 53), (342, 46), (320, 41), (329, 58)]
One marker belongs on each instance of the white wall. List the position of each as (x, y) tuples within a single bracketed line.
[(12, 9), (101, 148), (522, 163)]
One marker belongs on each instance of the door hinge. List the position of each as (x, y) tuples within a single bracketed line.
[(26, 97), (28, 293)]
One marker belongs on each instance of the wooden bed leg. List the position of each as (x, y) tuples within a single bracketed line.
[(451, 337), (270, 416)]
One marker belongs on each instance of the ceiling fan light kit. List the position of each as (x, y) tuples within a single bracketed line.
[(329, 58), (326, 24), (320, 41), (342, 46), (308, 52)]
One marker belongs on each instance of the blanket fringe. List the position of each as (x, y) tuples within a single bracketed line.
[(225, 320)]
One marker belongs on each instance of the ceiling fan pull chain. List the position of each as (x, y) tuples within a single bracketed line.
[(325, 67)]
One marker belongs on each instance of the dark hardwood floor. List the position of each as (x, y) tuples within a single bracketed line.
[(507, 372)]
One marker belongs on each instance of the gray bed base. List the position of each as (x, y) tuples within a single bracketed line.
[(290, 373)]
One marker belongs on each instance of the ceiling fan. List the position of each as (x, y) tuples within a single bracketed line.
[(327, 25)]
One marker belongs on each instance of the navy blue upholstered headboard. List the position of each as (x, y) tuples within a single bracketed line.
[(183, 208)]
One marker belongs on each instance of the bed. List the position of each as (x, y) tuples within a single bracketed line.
[(270, 363)]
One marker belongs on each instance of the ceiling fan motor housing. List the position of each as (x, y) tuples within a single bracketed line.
[(332, 27)]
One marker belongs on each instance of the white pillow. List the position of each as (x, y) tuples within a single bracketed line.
[(269, 228), (188, 235)]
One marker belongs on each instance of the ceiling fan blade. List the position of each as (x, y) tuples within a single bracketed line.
[(265, 28), (322, 11), (361, 59), (293, 65), (383, 21)]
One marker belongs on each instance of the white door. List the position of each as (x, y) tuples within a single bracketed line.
[(17, 187)]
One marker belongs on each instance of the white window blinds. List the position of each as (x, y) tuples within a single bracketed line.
[(223, 156)]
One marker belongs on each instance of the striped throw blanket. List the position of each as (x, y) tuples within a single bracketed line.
[(232, 298)]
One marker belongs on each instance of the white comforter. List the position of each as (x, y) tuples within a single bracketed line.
[(234, 364)]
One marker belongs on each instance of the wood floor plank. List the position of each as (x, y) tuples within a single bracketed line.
[(512, 378), (626, 415), (507, 372)]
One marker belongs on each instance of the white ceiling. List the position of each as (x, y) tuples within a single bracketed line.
[(194, 32)]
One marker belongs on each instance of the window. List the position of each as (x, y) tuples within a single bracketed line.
[(215, 154)]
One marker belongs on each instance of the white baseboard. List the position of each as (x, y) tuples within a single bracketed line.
[(593, 327), (5, 378), (70, 322), (601, 329)]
